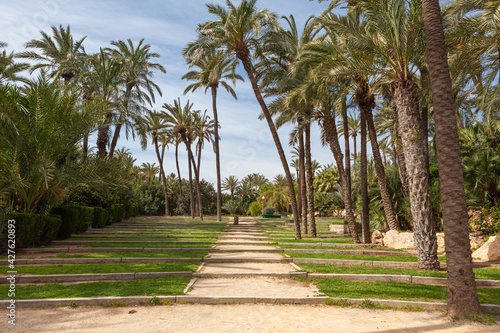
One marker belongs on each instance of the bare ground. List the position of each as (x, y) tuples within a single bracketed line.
[(234, 318)]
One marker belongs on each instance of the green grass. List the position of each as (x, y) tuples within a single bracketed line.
[(104, 268), (151, 239), (148, 287), (171, 254), (340, 241), (327, 268), (396, 290), (351, 257), (155, 246), (313, 247)]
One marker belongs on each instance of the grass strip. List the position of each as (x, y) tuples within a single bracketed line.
[(150, 239), (155, 246), (148, 287), (171, 254), (351, 257), (481, 273), (340, 241), (396, 290), (104, 268), (312, 247)]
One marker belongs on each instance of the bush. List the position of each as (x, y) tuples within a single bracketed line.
[(70, 217), (132, 211), (101, 217), (489, 221), (117, 213), (86, 218), (255, 208), (269, 211), (35, 229)]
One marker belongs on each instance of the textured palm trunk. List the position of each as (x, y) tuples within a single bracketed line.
[(406, 98), (366, 102), (178, 169), (330, 129), (302, 182), (365, 222), (162, 173), (403, 174), (309, 180), (243, 56), (85, 147), (198, 186), (191, 195), (217, 153), (116, 135), (462, 293), (299, 194), (103, 136), (332, 137), (355, 151)]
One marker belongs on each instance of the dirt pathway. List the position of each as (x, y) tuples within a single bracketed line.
[(248, 238)]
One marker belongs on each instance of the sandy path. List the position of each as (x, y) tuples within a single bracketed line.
[(234, 318)]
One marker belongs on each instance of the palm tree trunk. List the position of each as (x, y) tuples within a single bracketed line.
[(403, 173), (116, 135), (198, 186), (277, 142), (462, 293), (390, 216), (309, 180), (162, 173), (332, 137), (217, 153), (103, 136), (191, 196), (365, 223), (302, 182), (330, 129), (85, 148), (406, 98), (178, 169), (355, 152)]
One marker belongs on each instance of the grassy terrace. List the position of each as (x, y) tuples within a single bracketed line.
[(166, 239), (166, 254), (148, 287), (481, 273), (104, 268), (396, 290), (351, 257), (155, 246)]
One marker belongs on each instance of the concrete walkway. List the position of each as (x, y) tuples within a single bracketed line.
[(246, 243)]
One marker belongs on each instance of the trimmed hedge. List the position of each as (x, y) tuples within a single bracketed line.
[(86, 218), (70, 217), (35, 229), (269, 211), (117, 213), (132, 210), (101, 217)]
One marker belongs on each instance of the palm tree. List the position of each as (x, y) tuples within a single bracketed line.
[(230, 184), (462, 293), (154, 125), (240, 31), (150, 170), (136, 71), (180, 121), (214, 69), (61, 53), (9, 68)]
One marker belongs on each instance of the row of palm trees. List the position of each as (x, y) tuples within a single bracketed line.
[(378, 50)]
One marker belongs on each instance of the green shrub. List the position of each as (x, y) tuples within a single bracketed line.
[(35, 229), (117, 213), (50, 229), (86, 218), (70, 217), (132, 211), (489, 221), (255, 208), (101, 217), (269, 211)]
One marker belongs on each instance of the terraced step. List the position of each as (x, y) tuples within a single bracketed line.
[(353, 252), (69, 242), (76, 250), (328, 244)]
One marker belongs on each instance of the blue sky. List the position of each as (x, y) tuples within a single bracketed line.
[(168, 25)]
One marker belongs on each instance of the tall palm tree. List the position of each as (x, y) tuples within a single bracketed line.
[(180, 121), (241, 31), (230, 184), (462, 293), (136, 71), (154, 125), (150, 170), (60, 53), (214, 68), (9, 69)]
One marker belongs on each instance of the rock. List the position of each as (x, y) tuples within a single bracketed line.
[(399, 240), (377, 238), (476, 240), (490, 251)]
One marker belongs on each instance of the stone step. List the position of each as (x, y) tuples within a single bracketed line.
[(107, 250), (106, 237), (353, 252), (241, 242), (76, 242), (329, 244)]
